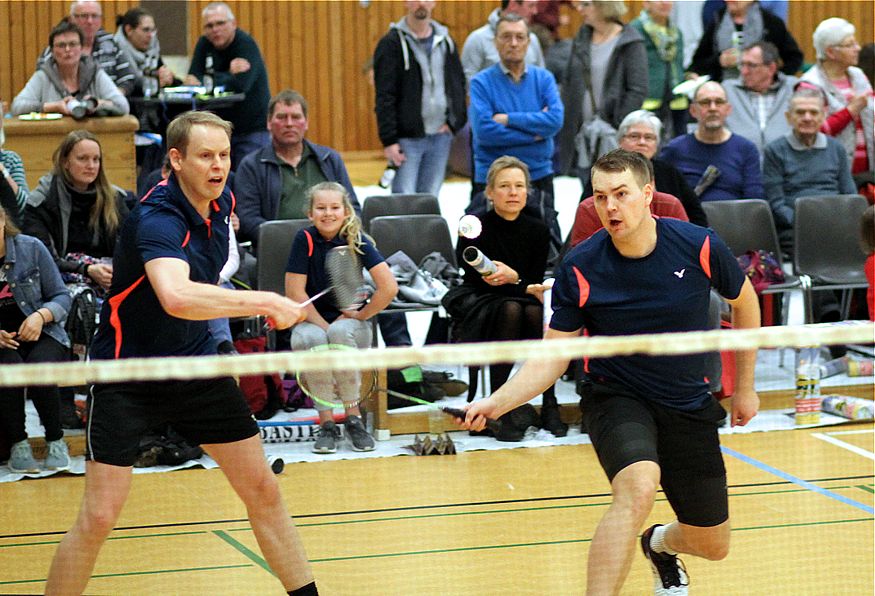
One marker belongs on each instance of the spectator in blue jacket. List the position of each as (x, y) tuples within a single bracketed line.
[(272, 183), (515, 109), (33, 305)]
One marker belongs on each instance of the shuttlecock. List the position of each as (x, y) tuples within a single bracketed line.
[(470, 226)]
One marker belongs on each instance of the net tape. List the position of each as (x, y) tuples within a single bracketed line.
[(660, 344)]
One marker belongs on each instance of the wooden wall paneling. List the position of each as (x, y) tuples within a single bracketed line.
[(296, 65), (21, 67), (7, 89)]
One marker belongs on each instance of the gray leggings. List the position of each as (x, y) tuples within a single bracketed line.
[(331, 385)]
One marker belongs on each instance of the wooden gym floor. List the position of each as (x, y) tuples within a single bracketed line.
[(515, 521)]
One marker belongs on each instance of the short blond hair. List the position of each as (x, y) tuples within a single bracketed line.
[(610, 10), (179, 131)]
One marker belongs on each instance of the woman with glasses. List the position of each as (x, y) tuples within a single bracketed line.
[(640, 132), (847, 91), (137, 37), (68, 77)]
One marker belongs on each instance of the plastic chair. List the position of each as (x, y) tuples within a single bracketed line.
[(747, 224), (827, 245), (274, 245), (398, 204), (415, 235)]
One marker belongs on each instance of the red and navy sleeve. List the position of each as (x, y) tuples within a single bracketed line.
[(723, 269)]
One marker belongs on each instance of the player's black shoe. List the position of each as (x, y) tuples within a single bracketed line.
[(669, 574)]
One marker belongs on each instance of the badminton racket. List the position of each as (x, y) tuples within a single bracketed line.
[(346, 282), (493, 425)]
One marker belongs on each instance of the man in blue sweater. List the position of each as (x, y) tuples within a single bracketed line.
[(515, 109), (718, 164)]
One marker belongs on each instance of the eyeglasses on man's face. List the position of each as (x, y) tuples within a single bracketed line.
[(66, 45), (88, 16), (637, 137), (706, 102)]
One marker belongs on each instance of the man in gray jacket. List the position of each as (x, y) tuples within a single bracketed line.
[(761, 97), (420, 98)]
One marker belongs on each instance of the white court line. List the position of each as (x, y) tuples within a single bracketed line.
[(852, 432), (843, 445)]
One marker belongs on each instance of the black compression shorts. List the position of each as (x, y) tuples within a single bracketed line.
[(625, 428)]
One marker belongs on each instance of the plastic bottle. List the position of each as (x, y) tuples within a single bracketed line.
[(209, 75), (480, 262), (388, 175), (808, 387)]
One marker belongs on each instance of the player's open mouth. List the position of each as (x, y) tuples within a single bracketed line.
[(217, 179)]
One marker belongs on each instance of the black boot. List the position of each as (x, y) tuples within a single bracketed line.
[(551, 420)]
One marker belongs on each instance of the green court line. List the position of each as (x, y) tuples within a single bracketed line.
[(137, 536), (246, 551), (866, 487), (133, 573), (438, 551), (433, 515)]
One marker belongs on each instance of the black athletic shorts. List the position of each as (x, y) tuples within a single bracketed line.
[(202, 411), (625, 428)]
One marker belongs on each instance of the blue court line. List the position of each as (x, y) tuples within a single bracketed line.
[(803, 483)]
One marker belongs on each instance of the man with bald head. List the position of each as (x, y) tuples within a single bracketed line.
[(98, 44), (717, 163), (239, 68)]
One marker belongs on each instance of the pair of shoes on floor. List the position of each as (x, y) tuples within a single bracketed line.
[(669, 574), (445, 381), (552, 421), (21, 458), (329, 434)]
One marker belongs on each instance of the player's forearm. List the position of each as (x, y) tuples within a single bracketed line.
[(746, 315), (200, 302), (533, 378)]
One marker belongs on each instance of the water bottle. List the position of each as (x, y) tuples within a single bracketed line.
[(388, 175), (808, 387), (209, 75), (480, 262)]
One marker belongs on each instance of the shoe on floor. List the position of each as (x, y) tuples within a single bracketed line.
[(552, 421), (326, 442), (226, 348), (58, 457), (69, 416), (21, 459), (669, 574), (358, 435)]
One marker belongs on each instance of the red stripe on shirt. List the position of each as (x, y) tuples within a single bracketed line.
[(309, 243), (114, 304), (705, 256), (187, 238), (146, 196), (582, 287)]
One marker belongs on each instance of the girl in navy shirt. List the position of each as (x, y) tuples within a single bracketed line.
[(334, 224)]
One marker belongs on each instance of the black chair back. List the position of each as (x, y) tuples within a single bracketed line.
[(274, 245), (415, 235), (827, 239), (744, 224), (398, 204)]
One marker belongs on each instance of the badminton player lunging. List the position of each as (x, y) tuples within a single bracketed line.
[(650, 419), (166, 266)]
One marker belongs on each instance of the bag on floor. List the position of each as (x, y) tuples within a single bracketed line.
[(264, 393)]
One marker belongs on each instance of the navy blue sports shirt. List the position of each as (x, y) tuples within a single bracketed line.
[(666, 291), (164, 224)]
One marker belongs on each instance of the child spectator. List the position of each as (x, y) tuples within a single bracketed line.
[(334, 224)]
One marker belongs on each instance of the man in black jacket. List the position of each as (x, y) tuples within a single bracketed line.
[(416, 64)]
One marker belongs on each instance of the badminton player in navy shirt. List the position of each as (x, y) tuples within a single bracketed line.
[(650, 418), (166, 266)]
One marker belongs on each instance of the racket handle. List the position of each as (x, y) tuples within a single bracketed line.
[(311, 299), (493, 425)]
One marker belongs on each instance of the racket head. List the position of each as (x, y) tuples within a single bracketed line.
[(344, 270), (322, 388)]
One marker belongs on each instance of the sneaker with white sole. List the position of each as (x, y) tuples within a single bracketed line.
[(358, 435), (326, 442), (669, 574), (58, 457), (21, 459)]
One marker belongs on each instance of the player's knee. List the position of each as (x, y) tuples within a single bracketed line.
[(263, 490), (716, 551), (99, 521)]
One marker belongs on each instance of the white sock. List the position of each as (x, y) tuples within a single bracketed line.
[(657, 541)]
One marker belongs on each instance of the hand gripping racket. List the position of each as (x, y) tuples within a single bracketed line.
[(347, 283)]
